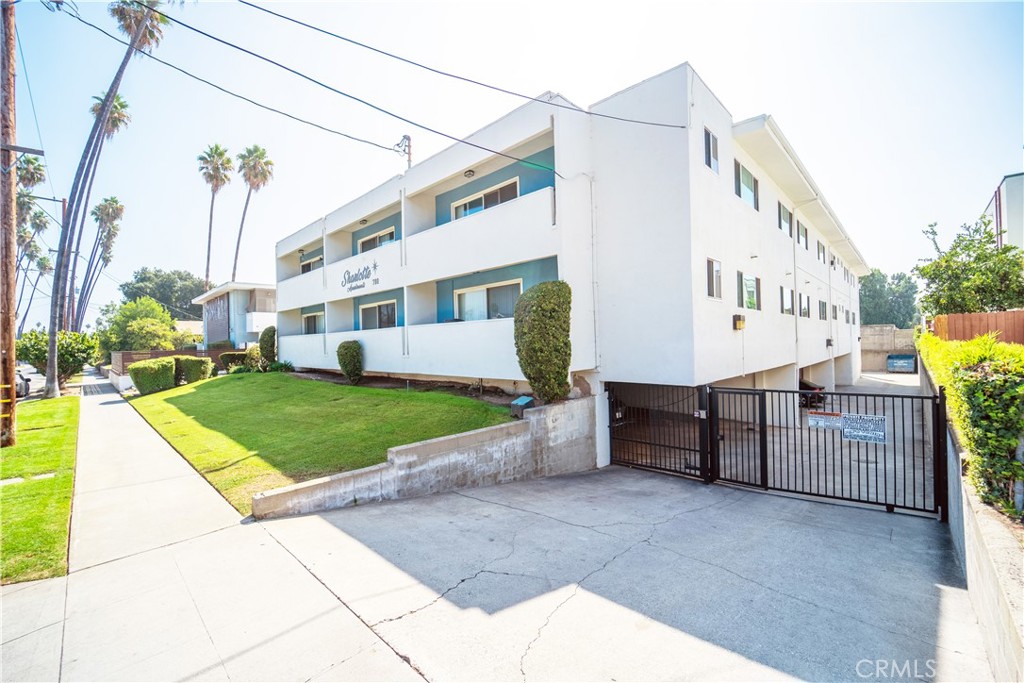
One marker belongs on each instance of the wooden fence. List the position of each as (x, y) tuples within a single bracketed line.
[(120, 360), (963, 326)]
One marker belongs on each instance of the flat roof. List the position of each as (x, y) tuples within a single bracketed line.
[(230, 287)]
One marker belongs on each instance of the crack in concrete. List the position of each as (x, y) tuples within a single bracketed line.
[(199, 614), (328, 668)]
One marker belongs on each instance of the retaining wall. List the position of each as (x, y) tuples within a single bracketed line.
[(554, 439), (878, 341)]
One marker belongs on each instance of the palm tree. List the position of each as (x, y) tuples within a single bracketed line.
[(43, 267), (31, 172), (216, 167), (106, 214), (257, 169), (117, 119), (145, 27)]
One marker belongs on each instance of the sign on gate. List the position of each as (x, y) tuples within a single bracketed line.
[(819, 419), (869, 428)]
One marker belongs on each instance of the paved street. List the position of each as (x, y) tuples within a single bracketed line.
[(616, 574)]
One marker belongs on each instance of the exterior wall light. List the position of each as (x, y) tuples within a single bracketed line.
[(302, 252), (739, 322), (470, 173), (362, 222)]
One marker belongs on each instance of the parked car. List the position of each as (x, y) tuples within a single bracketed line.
[(811, 400), (21, 385)]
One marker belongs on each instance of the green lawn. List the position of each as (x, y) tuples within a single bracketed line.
[(252, 432), (34, 514)]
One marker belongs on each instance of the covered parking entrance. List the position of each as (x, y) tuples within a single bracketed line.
[(875, 449)]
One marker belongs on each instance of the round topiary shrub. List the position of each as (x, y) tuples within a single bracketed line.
[(268, 344), (542, 338), (350, 360)]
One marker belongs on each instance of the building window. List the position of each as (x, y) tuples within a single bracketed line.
[(853, 318), (746, 185), (785, 220), (805, 305), (313, 323), (486, 199), (378, 316), (710, 150), (821, 253), (714, 279), (801, 235), (378, 240), (786, 298), (748, 291), (488, 302), (822, 310), (311, 265), (847, 317), (835, 312)]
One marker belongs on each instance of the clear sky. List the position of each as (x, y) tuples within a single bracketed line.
[(905, 114)]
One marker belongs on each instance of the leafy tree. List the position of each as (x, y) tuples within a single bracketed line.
[(974, 275), (215, 165), (140, 325), (74, 350), (257, 169), (888, 300), (175, 289)]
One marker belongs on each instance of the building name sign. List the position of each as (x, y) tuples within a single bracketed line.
[(355, 280), (868, 428)]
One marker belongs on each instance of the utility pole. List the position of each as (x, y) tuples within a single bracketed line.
[(8, 230)]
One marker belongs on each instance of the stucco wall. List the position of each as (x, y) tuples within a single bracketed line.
[(878, 341), (554, 439)]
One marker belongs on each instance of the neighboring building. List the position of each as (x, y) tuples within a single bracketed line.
[(666, 235), (191, 326), (237, 312), (1006, 210)]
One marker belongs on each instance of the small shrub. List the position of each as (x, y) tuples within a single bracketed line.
[(542, 338), (214, 370), (268, 344), (350, 360), (188, 369), (253, 360), (239, 370), (281, 366), (155, 374), (229, 358)]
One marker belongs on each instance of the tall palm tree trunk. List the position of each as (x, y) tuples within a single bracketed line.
[(35, 286), (52, 389), (238, 244), (73, 315), (91, 275), (209, 239), (21, 293)]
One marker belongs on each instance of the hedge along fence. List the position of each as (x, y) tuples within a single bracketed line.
[(229, 358), (542, 338), (152, 375), (188, 369), (984, 382)]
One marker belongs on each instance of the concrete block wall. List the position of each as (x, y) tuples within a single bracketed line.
[(878, 341), (554, 439)]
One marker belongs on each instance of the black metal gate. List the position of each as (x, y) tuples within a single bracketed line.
[(878, 449)]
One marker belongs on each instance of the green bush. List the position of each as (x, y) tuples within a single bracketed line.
[(984, 382), (350, 360), (253, 360), (542, 338), (239, 370), (155, 374), (229, 358), (281, 366), (268, 344), (223, 344), (74, 350), (188, 369)]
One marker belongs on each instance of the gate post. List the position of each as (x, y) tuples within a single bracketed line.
[(762, 410), (713, 440), (705, 426), (939, 449)]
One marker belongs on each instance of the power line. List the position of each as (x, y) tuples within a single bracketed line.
[(32, 100), (234, 94), (345, 94), (457, 77)]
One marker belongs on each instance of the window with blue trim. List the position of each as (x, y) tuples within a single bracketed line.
[(486, 199)]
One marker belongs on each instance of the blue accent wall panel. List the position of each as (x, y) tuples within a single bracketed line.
[(311, 254), (393, 294), (373, 228), (307, 310), (531, 179), (531, 272)]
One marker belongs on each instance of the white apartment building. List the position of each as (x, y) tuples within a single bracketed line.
[(698, 252), (1006, 210)]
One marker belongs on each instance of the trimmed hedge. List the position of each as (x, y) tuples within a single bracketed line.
[(542, 338), (188, 369), (229, 358), (268, 344), (223, 344), (350, 360), (155, 374), (984, 382)]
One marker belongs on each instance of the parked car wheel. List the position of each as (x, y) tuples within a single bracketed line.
[(811, 400), (21, 385)]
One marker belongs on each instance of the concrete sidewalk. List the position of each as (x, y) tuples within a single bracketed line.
[(168, 582)]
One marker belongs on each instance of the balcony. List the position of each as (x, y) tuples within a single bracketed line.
[(258, 321)]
